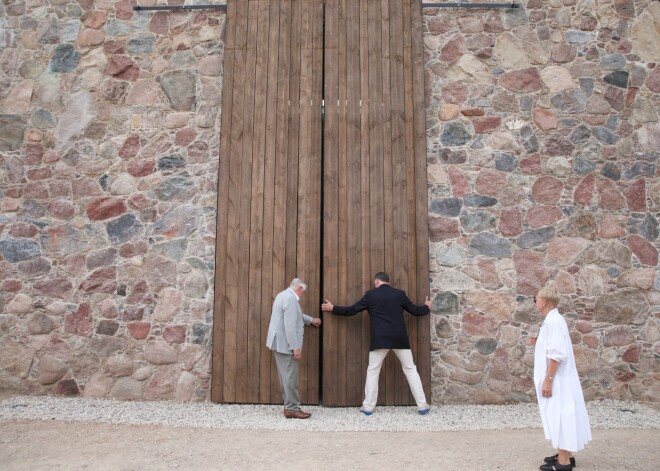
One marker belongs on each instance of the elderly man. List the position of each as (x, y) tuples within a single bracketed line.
[(285, 339)]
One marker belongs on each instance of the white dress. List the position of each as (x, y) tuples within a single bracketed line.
[(564, 415)]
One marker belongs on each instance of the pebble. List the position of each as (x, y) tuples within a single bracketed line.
[(605, 414)]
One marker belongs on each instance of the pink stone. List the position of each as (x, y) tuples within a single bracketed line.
[(564, 251), (123, 68), (73, 265), (33, 154), (140, 294), (21, 229), (57, 287), (33, 135), (459, 184), (94, 19), (510, 224), (114, 47), (453, 49), (454, 92), (563, 52), (522, 81), (103, 280), (162, 384), (133, 313), (631, 95), (139, 330), (531, 165), (159, 23), (488, 274), (67, 388), (159, 353), (610, 228), (11, 286), (108, 308), (474, 323), (584, 192), (99, 209), (124, 9), (441, 228), (139, 201), (539, 216), (618, 336), (39, 174), (438, 25), (130, 147), (643, 250), (36, 190), (547, 190), (79, 322), (632, 354), (91, 37), (82, 187), (174, 333), (636, 195), (61, 209), (531, 274), (185, 137), (545, 119), (473, 112), (169, 304), (584, 327), (470, 24), (490, 182), (141, 167), (591, 340), (653, 80), (486, 124), (610, 198)]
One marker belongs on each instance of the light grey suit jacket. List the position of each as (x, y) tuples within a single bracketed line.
[(287, 322)]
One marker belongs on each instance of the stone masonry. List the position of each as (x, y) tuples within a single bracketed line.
[(543, 144)]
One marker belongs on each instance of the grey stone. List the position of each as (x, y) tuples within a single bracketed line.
[(479, 201), (35, 268), (526, 103), (65, 59), (587, 85), (605, 136), (443, 327), (101, 258), (649, 227), (613, 272), (618, 78), (141, 44), (490, 245), (197, 285), (580, 135), (180, 188), (612, 62), (117, 28), (447, 207), (486, 345), (12, 131), (570, 101), (640, 169), (505, 162), (536, 237), (582, 166), (69, 30), (123, 229), (515, 16), (183, 60), (174, 249), (42, 119), (612, 123), (40, 324), (200, 333), (478, 221), (169, 162), (32, 209), (611, 171), (455, 134), (578, 37), (31, 69), (48, 32), (18, 250), (450, 156), (180, 88), (107, 327), (622, 307), (206, 115), (445, 302), (450, 255), (529, 140)]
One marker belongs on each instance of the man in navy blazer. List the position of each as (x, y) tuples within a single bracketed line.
[(388, 332)]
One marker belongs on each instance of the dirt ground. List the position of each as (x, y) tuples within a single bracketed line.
[(42, 445)]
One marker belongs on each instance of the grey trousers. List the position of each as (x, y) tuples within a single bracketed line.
[(288, 369)]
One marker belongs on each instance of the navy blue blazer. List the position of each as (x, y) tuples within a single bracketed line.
[(385, 305)]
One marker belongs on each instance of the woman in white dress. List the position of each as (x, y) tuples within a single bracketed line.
[(561, 402)]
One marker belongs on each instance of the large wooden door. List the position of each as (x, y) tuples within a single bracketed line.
[(332, 218), (375, 186), (268, 227)]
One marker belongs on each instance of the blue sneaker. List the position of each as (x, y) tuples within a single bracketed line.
[(424, 411), (366, 412)]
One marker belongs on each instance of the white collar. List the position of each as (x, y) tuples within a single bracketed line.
[(295, 294)]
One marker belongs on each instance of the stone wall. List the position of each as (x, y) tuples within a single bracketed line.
[(543, 144), (110, 141), (543, 140)]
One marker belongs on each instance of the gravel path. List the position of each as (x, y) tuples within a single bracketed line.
[(605, 414)]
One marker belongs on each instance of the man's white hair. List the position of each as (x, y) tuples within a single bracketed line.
[(297, 283)]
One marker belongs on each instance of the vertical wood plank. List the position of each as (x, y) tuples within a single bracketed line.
[(217, 376)]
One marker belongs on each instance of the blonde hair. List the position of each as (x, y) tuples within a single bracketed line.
[(549, 293)]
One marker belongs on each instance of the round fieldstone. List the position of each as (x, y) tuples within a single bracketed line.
[(580, 135), (17, 250), (649, 227), (605, 136), (180, 188), (447, 207), (200, 334), (536, 237), (180, 89), (51, 369), (12, 131), (455, 134), (65, 59), (42, 119), (486, 345), (612, 61), (490, 245), (123, 229), (141, 44), (611, 171), (443, 327), (505, 162), (477, 221), (450, 255), (618, 78), (170, 162)]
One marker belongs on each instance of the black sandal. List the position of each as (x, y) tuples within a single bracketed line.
[(556, 467), (554, 458)]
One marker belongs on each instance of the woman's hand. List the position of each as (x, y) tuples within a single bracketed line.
[(546, 388)]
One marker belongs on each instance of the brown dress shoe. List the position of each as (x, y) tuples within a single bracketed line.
[(289, 414)]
